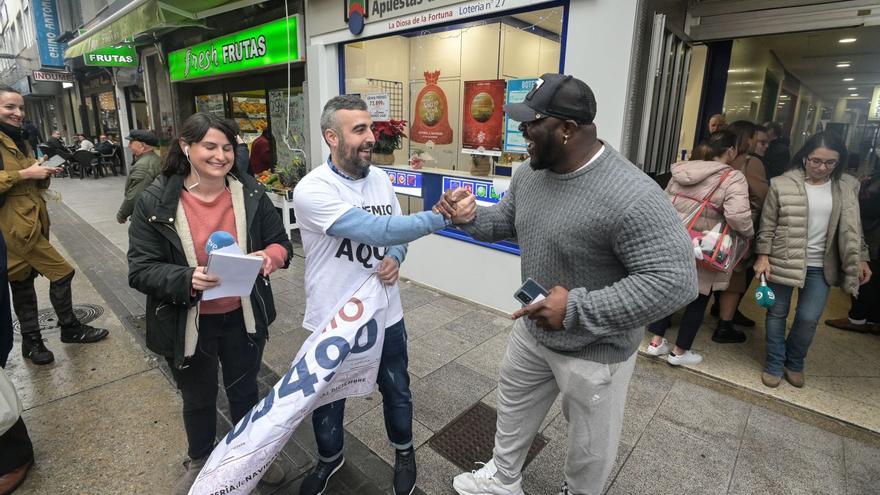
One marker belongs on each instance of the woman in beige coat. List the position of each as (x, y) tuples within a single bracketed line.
[(810, 238), (690, 183)]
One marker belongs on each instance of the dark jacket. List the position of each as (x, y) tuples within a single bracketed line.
[(145, 169), (157, 264), (776, 157)]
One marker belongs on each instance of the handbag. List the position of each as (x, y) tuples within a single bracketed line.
[(718, 249), (10, 404)]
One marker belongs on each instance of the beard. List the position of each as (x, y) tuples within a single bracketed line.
[(351, 159)]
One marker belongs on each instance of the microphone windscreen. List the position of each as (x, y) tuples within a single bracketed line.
[(217, 240)]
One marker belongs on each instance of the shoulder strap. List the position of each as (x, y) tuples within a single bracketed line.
[(708, 196)]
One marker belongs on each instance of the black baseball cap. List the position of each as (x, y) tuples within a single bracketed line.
[(556, 95), (143, 136)]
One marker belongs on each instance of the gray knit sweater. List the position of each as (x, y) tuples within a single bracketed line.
[(609, 235)]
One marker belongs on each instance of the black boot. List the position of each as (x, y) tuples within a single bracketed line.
[(726, 333), (72, 331), (24, 300)]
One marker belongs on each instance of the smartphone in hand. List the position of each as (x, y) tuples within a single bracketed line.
[(530, 292)]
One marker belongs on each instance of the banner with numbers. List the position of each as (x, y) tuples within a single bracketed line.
[(340, 361)]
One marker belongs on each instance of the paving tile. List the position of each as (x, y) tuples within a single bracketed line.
[(440, 397), (780, 455), (370, 429), (435, 472), (77, 367), (702, 412), (486, 357), (647, 389), (862, 468), (424, 319), (413, 296), (124, 437), (478, 326), (457, 306), (434, 350), (355, 407), (667, 460)]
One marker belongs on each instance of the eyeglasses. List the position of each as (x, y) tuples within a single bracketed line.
[(818, 162)]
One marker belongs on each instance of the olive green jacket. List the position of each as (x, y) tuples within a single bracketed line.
[(782, 235), (23, 216), (143, 172)]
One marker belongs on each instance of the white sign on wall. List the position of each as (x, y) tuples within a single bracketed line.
[(379, 105)]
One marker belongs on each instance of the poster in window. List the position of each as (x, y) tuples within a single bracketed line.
[(517, 89), (431, 113), (482, 118)]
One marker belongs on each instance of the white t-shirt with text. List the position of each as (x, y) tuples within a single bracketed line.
[(335, 264)]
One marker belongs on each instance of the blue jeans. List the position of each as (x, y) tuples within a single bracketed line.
[(393, 381), (790, 352)]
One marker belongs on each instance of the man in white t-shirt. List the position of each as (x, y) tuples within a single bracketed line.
[(351, 226)]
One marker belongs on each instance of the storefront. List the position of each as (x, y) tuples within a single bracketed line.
[(448, 68), (99, 110), (254, 77)]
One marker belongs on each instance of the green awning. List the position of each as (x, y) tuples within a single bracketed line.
[(145, 16)]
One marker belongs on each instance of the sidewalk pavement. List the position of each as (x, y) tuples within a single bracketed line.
[(106, 418)]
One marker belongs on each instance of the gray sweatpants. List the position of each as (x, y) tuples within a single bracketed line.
[(593, 398)]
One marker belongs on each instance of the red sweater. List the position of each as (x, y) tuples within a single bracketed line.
[(206, 218), (261, 157)]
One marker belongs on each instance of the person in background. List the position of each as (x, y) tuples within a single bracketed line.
[(146, 167), (241, 148), (810, 237), (762, 141), (16, 450), (24, 222), (84, 143), (691, 182), (605, 243), (335, 205), (105, 146), (864, 313), (55, 146), (262, 156), (32, 134), (717, 123), (778, 154), (200, 192), (727, 309)]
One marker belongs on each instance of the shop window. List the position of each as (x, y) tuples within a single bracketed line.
[(453, 82)]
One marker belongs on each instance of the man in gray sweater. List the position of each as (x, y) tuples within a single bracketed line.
[(606, 242)]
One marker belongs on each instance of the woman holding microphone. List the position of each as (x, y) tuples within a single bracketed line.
[(198, 193)]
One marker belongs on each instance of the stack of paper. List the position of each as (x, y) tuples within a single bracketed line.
[(237, 272)]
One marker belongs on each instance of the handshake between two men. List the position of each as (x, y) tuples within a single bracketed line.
[(457, 205), (460, 206)]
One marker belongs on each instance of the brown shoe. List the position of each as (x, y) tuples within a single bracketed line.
[(11, 480), (845, 324), (769, 380), (795, 378)]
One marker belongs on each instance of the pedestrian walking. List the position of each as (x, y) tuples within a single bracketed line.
[(810, 238), (24, 222), (198, 193), (727, 192), (352, 226), (605, 241), (146, 167)]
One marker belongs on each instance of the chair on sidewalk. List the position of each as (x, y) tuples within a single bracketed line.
[(110, 161), (89, 163)]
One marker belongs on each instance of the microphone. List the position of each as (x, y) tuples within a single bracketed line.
[(217, 240)]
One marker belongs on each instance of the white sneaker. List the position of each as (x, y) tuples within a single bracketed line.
[(689, 358), (658, 350), (483, 482)]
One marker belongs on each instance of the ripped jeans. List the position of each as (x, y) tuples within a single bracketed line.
[(393, 381)]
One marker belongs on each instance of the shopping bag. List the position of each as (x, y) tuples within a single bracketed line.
[(10, 405), (719, 248)]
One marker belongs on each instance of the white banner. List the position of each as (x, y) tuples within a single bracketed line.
[(340, 361)]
